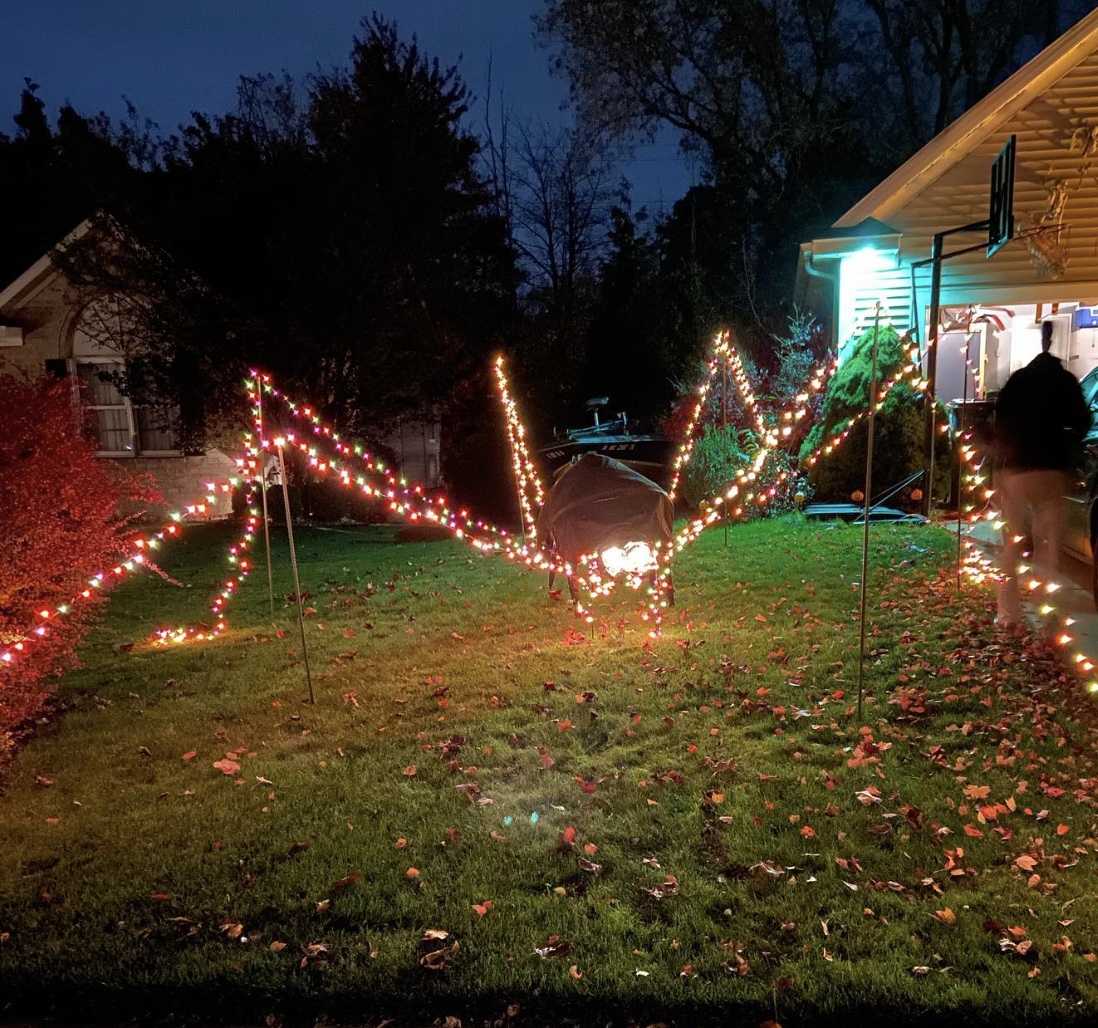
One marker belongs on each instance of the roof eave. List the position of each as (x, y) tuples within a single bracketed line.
[(16, 293), (977, 123)]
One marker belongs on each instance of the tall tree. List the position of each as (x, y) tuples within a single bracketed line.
[(760, 86), (53, 178), (945, 55), (560, 200), (338, 236), (796, 105)]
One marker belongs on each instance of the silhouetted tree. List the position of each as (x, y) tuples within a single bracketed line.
[(336, 235)]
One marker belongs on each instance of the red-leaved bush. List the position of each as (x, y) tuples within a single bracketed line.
[(59, 525)]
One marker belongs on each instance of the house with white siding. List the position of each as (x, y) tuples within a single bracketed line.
[(991, 307)]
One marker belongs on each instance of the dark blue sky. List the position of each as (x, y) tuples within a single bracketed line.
[(170, 57)]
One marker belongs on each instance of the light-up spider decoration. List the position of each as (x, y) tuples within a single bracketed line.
[(596, 575)]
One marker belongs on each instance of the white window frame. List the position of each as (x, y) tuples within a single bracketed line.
[(136, 449)]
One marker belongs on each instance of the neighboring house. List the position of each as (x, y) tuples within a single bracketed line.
[(991, 308), (46, 327)]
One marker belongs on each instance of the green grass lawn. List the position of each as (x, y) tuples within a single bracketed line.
[(493, 805)]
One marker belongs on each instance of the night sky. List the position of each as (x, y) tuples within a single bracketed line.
[(171, 57)]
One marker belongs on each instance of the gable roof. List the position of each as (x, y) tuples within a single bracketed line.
[(951, 145), (43, 270)]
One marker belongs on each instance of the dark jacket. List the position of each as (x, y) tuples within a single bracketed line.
[(1041, 417)]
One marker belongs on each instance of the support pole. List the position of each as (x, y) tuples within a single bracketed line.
[(932, 362), (263, 489), (724, 435), (293, 564), (865, 513), (960, 462)]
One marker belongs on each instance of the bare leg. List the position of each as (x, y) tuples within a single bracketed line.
[(1046, 493), (1014, 509)]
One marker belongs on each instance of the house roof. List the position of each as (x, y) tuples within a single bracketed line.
[(958, 139), (17, 292)]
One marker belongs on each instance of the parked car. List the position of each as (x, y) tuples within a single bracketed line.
[(1081, 503)]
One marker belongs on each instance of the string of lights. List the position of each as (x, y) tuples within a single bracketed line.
[(354, 468)]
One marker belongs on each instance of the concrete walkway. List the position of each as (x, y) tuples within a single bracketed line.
[(1074, 600)]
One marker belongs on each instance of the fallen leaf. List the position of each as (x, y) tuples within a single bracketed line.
[(554, 946), (346, 883)]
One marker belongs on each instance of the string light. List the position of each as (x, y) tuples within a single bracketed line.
[(595, 574)]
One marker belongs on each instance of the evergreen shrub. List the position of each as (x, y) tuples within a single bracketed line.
[(898, 446)]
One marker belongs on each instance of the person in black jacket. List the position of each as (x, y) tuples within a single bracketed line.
[(1040, 420)]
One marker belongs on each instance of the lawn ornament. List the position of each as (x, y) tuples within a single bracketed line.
[(610, 516)]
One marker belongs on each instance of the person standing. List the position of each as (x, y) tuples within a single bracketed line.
[(1040, 420)]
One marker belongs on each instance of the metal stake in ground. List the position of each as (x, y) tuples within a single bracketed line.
[(724, 433), (865, 512), (279, 443), (960, 457), (263, 487)]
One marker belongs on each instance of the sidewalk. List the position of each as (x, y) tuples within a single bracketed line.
[(1074, 601)]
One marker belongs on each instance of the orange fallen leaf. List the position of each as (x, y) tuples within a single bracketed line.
[(410, 770), (590, 849), (483, 908), (412, 872), (227, 766), (401, 843), (277, 947), (1062, 829), (190, 754)]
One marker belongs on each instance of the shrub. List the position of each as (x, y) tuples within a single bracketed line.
[(58, 527), (718, 454), (778, 378), (898, 434)]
